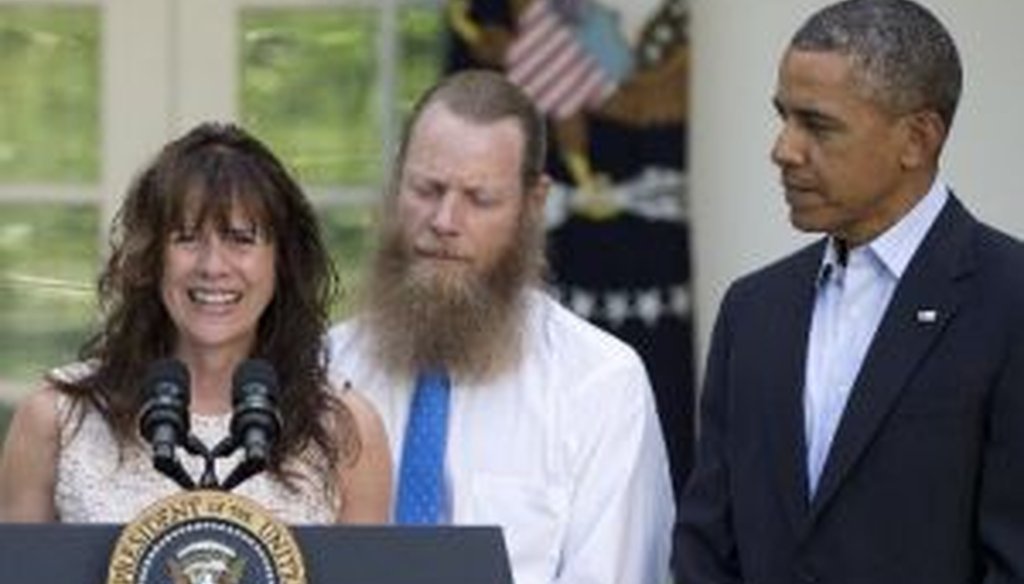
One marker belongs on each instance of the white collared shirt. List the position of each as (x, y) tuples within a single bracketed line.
[(850, 302), (564, 452)]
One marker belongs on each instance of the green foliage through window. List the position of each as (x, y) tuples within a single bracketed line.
[(421, 51), (309, 90), (48, 259), (49, 83)]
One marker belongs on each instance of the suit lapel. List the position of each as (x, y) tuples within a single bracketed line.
[(793, 302), (928, 289)]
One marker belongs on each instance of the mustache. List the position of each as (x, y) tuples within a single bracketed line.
[(439, 251)]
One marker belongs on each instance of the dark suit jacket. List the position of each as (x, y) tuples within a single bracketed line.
[(924, 483)]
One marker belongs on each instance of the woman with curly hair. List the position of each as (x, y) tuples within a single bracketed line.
[(216, 258)]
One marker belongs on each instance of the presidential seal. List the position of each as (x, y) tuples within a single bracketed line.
[(206, 537)]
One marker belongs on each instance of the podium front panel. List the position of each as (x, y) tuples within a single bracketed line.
[(71, 554)]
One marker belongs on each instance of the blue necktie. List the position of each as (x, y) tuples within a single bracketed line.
[(421, 476)]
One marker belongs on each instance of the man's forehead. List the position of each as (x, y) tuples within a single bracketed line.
[(818, 81), (817, 68), (453, 150), (470, 179)]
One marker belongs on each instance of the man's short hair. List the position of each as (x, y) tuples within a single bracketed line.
[(485, 96), (905, 56)]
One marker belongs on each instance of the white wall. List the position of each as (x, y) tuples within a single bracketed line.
[(737, 211)]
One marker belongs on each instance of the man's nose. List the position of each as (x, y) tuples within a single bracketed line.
[(447, 216), (789, 147)]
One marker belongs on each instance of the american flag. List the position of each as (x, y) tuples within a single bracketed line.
[(551, 61)]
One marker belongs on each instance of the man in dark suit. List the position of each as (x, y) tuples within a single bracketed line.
[(863, 408)]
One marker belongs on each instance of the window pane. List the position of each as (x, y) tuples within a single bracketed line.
[(422, 52), (346, 230), (49, 80), (47, 269), (309, 89)]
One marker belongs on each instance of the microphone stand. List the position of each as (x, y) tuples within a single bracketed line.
[(208, 480), (171, 467), (245, 469)]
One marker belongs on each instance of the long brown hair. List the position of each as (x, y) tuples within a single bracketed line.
[(210, 169)]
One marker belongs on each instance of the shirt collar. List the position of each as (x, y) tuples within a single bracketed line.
[(895, 247)]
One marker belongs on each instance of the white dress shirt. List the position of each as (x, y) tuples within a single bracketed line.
[(564, 452), (850, 302)]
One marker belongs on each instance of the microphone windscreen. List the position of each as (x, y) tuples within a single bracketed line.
[(167, 371), (254, 372), (164, 419)]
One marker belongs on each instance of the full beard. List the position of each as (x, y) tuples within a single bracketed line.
[(468, 322)]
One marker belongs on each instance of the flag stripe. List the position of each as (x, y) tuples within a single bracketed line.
[(531, 33), (551, 64), (554, 71), (565, 87), (539, 56)]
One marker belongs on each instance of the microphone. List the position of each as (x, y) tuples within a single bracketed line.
[(256, 421), (164, 420)]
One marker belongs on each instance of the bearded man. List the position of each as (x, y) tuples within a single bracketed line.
[(501, 406)]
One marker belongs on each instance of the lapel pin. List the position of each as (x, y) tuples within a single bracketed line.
[(927, 316)]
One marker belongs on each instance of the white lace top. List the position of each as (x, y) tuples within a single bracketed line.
[(94, 486)]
